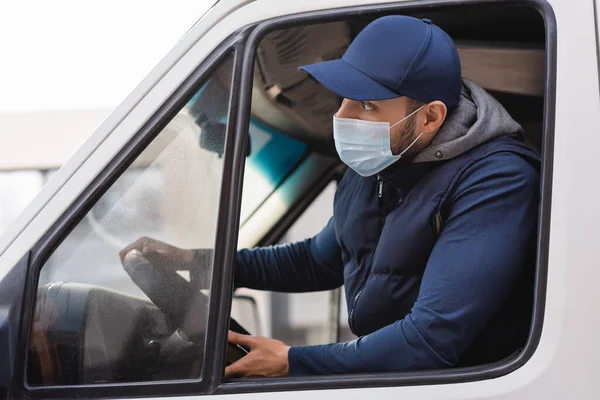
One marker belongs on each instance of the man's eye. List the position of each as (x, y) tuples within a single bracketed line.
[(366, 106)]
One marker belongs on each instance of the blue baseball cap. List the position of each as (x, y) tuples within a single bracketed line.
[(395, 56)]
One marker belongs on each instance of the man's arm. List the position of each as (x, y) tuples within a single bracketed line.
[(473, 267), (311, 265)]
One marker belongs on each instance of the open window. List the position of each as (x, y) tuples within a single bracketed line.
[(506, 49)]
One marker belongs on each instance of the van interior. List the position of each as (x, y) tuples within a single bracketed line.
[(502, 48)]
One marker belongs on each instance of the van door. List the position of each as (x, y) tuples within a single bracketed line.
[(95, 323), (92, 324)]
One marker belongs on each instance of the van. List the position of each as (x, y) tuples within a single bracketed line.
[(227, 145)]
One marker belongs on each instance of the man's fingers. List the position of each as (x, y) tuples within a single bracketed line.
[(159, 254), (237, 338), (138, 244), (123, 253), (234, 370), (158, 257), (240, 367)]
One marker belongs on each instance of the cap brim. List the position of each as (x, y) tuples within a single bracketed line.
[(346, 81)]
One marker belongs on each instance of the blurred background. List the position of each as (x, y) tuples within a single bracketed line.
[(64, 66)]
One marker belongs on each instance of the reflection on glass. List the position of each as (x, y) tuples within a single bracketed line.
[(105, 314)]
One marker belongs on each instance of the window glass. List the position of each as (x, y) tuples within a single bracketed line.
[(104, 315)]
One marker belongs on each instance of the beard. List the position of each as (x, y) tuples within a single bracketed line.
[(403, 137)]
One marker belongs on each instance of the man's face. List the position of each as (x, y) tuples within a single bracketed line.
[(391, 111)]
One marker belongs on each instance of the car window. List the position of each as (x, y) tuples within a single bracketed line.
[(105, 317), (304, 319)]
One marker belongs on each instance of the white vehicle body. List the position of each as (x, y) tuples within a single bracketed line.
[(566, 360)]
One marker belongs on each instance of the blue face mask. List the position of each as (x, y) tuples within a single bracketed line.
[(364, 146)]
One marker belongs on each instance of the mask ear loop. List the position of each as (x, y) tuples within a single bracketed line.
[(417, 138), (411, 145), (409, 115)]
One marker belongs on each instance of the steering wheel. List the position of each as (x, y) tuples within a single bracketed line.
[(185, 307)]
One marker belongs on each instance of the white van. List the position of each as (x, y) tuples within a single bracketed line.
[(226, 145)]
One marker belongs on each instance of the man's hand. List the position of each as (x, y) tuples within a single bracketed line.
[(267, 357), (160, 254)]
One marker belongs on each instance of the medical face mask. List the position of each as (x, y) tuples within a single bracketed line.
[(365, 146)]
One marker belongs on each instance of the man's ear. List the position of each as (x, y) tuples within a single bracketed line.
[(435, 115)]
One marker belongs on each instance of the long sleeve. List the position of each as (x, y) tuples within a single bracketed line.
[(311, 265), (476, 261)]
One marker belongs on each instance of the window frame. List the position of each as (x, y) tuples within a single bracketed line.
[(44, 248), (446, 376), (243, 45)]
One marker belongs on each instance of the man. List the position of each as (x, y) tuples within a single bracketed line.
[(434, 226)]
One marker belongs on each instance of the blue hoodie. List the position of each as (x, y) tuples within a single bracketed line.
[(436, 257)]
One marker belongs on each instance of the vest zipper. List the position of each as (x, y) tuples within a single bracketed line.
[(362, 288)]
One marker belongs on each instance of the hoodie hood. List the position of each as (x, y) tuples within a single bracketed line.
[(478, 118)]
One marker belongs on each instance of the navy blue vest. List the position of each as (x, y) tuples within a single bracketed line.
[(387, 226)]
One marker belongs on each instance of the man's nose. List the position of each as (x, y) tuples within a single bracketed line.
[(345, 110)]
